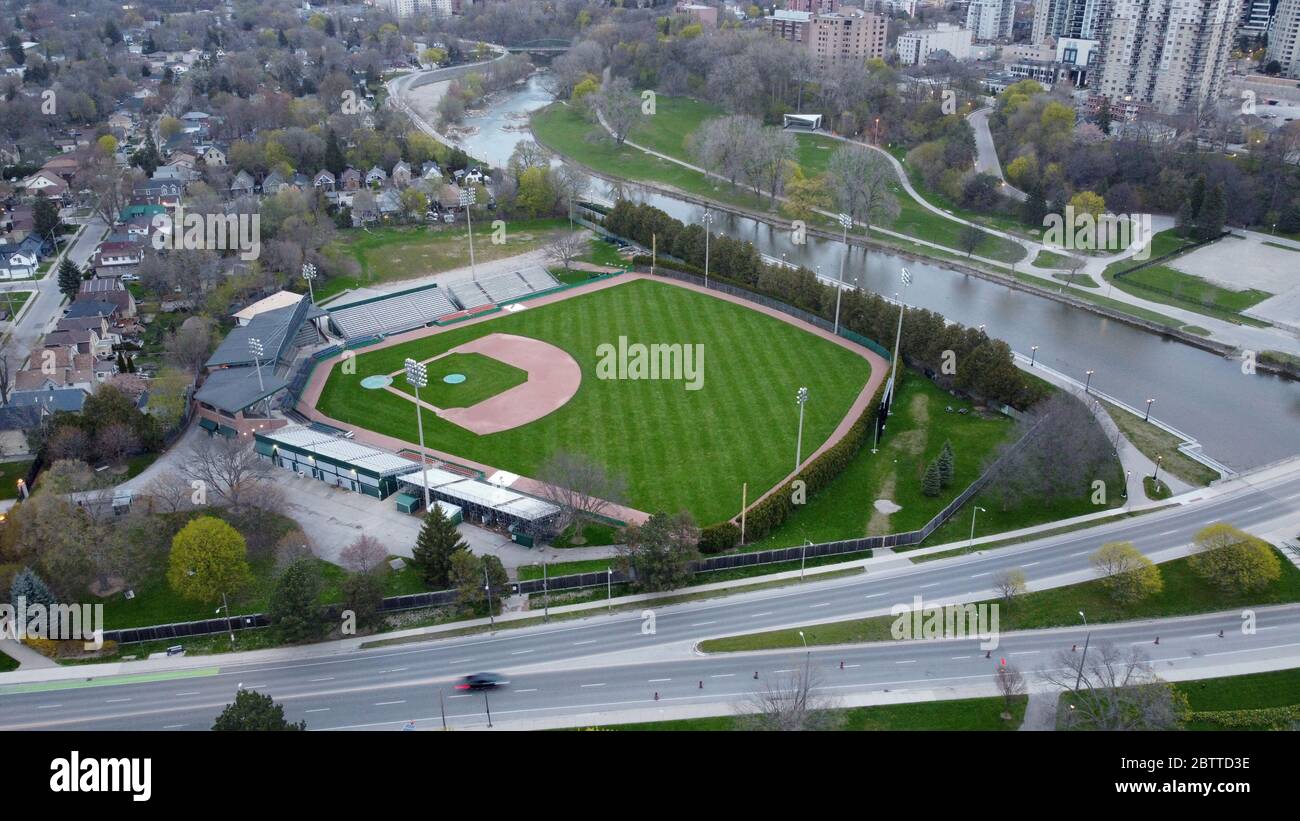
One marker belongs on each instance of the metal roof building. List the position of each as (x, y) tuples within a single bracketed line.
[(333, 459)]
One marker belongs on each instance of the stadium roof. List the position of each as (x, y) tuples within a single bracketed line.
[(233, 389), (372, 460)]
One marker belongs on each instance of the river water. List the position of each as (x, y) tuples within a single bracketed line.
[(1242, 420)]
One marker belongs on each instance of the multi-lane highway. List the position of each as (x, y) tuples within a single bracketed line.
[(609, 665)]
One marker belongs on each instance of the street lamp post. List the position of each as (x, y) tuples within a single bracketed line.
[(309, 274), (256, 350), (847, 222), (226, 604), (1088, 382), (1147, 417), (898, 341), (707, 219), (801, 397), (417, 376), (970, 544), (1033, 355), (1086, 638), (1155, 477), (487, 594), (468, 196)]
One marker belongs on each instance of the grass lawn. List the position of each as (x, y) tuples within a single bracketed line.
[(1184, 593), (13, 301), (961, 714), (387, 254), (7, 663), (1161, 283), (1155, 442), (565, 131), (1256, 691), (1155, 489), (10, 473), (602, 253), (1050, 259), (485, 377), (594, 534), (916, 432), (679, 449)]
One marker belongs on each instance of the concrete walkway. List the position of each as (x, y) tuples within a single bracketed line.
[(27, 658), (1040, 712)]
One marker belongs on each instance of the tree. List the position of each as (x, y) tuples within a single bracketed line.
[(208, 558), (31, 588), (226, 468), (970, 237), (1232, 560), (1115, 691), (793, 701), (365, 555), (1213, 214), (45, 218), (1126, 573), (294, 608), (191, 344), (618, 105), (1009, 584), (69, 278), (115, 441), (254, 711), (535, 197), (581, 488), (363, 594), (437, 544), (658, 554), (931, 482), (947, 465), (1011, 685), (167, 395), (334, 160), (479, 580)]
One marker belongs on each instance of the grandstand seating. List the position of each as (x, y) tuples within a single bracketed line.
[(394, 314), (501, 288)]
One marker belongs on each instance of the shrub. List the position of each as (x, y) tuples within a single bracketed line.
[(720, 537)]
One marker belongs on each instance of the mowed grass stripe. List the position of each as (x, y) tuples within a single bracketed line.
[(679, 449)]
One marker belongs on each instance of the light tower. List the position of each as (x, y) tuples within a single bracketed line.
[(417, 375)]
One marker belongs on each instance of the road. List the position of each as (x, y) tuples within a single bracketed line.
[(41, 315), (609, 665), (986, 155)]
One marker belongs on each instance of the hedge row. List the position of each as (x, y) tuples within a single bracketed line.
[(1274, 718)]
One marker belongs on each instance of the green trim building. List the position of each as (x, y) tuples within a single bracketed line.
[(334, 460)]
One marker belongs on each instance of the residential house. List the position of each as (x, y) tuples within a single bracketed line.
[(401, 174), (351, 179), (17, 261), (376, 177), (324, 180), (110, 254), (243, 184), (45, 183), (273, 182), (214, 156)]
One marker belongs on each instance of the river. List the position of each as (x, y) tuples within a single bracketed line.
[(1243, 420)]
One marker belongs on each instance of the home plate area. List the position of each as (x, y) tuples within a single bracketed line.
[(553, 377)]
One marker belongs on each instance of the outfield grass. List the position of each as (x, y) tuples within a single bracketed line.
[(388, 254), (1155, 442), (979, 714), (1184, 593), (679, 449), (485, 377)]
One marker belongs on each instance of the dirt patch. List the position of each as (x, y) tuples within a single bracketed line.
[(878, 525), (911, 442), (919, 407)]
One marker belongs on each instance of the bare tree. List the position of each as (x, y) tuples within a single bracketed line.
[(580, 487), (1009, 584), (619, 106), (1011, 683), (790, 701), (189, 346), (365, 555), (4, 378), (115, 441), (860, 178), (1114, 690), (567, 246), (170, 491), (229, 470)]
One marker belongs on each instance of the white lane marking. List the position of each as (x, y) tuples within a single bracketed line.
[(318, 710), (49, 706), (783, 671), (580, 643), (462, 695), (702, 623), (326, 678), (760, 615), (115, 700), (1029, 564), (190, 693), (459, 661), (958, 658), (1025, 653), (657, 680), (601, 684), (874, 595), (172, 726), (851, 666), (815, 606), (909, 661), (520, 652), (1081, 553), (386, 703), (924, 586), (977, 575), (394, 670), (722, 675), (529, 690), (1167, 532)]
